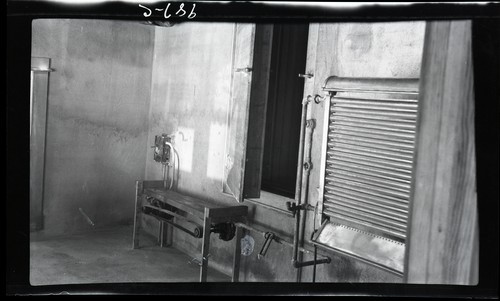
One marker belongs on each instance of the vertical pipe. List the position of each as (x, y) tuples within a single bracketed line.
[(237, 255), (161, 234), (305, 187), (298, 185), (205, 246), (315, 258)]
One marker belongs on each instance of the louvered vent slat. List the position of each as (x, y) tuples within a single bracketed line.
[(369, 158)]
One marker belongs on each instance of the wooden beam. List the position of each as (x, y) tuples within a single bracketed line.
[(442, 247)]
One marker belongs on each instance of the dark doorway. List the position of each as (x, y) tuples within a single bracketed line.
[(284, 105)]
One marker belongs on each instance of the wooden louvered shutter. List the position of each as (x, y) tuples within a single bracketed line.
[(368, 155)]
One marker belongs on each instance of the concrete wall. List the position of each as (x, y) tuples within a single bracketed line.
[(97, 119), (190, 93), (190, 96)]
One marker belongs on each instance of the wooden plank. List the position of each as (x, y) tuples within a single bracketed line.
[(191, 205), (38, 108), (443, 213), (232, 211), (194, 207), (236, 140), (257, 110)]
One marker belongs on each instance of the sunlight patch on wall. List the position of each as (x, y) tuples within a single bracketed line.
[(215, 162)]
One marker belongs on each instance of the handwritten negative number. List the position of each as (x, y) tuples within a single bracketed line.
[(180, 12)]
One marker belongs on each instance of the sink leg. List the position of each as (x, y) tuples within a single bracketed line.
[(205, 247), (237, 254)]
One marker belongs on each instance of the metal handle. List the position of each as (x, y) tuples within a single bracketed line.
[(269, 236), (307, 75)]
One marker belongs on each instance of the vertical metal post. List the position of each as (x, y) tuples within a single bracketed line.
[(168, 235), (237, 254), (298, 185), (138, 213), (160, 233), (307, 165), (205, 246), (165, 234)]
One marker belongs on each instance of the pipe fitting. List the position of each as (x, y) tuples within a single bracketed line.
[(298, 264)]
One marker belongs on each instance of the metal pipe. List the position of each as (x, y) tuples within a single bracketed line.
[(172, 156), (298, 183), (300, 162), (310, 124), (301, 264), (151, 210), (314, 267)]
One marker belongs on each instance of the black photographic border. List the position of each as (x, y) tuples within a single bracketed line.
[(486, 51)]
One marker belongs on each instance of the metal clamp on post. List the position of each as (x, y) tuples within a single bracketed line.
[(293, 207), (198, 261), (307, 75), (318, 98), (226, 230), (311, 123), (246, 70)]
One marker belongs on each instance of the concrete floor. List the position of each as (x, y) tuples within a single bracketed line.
[(106, 256)]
